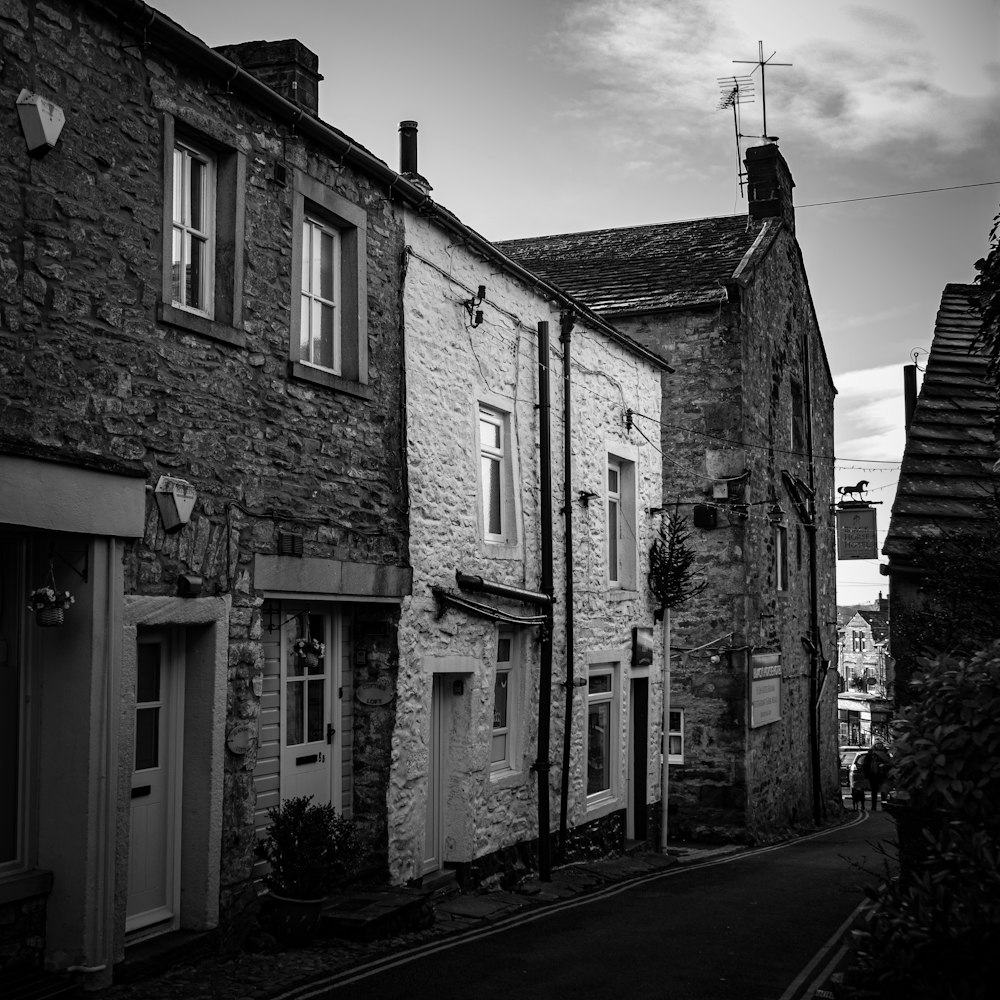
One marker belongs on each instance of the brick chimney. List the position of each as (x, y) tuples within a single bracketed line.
[(770, 184), (287, 67)]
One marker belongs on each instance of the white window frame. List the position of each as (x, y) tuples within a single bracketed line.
[(182, 228), (315, 201), (510, 668), (621, 555), (780, 557), (675, 733), (503, 544), (311, 299), (604, 796)]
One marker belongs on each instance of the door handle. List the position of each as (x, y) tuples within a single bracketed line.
[(329, 732)]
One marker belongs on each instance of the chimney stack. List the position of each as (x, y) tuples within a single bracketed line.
[(408, 155), (770, 184), (287, 67)]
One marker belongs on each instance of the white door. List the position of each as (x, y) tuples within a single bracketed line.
[(434, 820), (310, 709), (154, 846)]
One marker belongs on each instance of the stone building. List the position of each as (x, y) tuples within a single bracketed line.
[(466, 758), (864, 663), (944, 533), (747, 443), (202, 440)]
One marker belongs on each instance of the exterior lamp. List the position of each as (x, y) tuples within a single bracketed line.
[(41, 122), (175, 498)]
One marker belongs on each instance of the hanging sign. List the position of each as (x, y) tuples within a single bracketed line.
[(856, 533), (765, 689)]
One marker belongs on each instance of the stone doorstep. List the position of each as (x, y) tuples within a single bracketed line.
[(156, 955), (486, 907), (372, 914)]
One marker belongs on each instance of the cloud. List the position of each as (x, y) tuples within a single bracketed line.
[(869, 415), (873, 83)]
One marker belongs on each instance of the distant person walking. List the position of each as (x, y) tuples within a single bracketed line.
[(875, 768)]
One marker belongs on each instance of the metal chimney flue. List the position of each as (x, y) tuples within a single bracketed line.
[(408, 148)]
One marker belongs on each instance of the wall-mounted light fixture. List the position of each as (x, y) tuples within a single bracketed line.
[(472, 306), (175, 499), (41, 122)]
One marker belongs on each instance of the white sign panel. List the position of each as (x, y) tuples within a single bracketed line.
[(765, 689)]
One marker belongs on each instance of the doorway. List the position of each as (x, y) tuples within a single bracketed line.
[(434, 821), (638, 758), (310, 699), (155, 839)]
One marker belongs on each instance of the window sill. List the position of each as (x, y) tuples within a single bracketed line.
[(622, 594), (506, 779), (202, 325), (501, 550), (25, 885), (601, 806), (306, 373)]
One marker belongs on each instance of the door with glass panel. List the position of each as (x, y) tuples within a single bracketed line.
[(310, 763), (154, 845)]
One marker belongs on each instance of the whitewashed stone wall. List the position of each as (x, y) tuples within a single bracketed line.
[(450, 368)]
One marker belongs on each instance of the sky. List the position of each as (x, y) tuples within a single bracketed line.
[(552, 116)]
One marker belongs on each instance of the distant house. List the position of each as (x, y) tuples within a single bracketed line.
[(864, 649), (943, 542), (746, 436)]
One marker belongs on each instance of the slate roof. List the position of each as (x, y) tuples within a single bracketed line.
[(878, 621), (947, 471), (667, 265)]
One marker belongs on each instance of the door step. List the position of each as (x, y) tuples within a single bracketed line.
[(156, 955)]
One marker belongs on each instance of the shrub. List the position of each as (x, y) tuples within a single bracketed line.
[(935, 929), (310, 848)]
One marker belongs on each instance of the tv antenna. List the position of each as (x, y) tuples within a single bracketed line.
[(761, 62), (734, 91)]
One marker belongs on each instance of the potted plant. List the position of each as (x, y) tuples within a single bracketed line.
[(310, 651), (49, 605), (311, 849)]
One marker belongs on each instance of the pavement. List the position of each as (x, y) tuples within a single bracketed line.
[(265, 969)]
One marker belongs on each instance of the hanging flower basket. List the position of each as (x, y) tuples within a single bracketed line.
[(309, 651), (49, 605)]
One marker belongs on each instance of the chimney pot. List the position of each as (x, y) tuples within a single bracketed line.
[(408, 147)]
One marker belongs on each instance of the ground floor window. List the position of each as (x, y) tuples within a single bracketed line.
[(675, 736), (602, 727)]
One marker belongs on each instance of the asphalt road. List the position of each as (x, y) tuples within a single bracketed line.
[(743, 928)]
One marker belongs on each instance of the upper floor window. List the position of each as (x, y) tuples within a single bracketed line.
[(204, 196), (498, 501), (329, 340), (193, 243), (319, 324), (622, 544), (780, 557), (798, 428), (858, 641)]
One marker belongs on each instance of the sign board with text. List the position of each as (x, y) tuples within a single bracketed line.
[(765, 689), (856, 533)]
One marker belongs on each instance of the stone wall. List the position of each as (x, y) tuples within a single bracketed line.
[(727, 419), (451, 367)]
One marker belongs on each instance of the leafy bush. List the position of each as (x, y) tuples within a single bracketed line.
[(310, 848), (935, 929)]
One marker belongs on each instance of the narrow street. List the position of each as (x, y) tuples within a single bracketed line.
[(742, 928)]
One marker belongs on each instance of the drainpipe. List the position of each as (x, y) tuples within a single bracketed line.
[(565, 333), (545, 671)]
